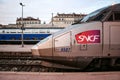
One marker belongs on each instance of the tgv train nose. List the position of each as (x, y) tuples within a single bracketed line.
[(35, 50)]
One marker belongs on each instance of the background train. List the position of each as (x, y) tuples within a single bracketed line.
[(30, 36), (93, 43)]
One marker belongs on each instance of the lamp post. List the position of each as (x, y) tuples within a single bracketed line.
[(22, 25), (52, 20)]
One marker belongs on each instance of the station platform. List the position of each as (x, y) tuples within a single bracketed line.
[(60, 76), (15, 48)]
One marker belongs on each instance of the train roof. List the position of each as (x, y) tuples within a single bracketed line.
[(101, 14)]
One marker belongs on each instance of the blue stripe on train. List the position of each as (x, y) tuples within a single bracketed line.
[(26, 36)]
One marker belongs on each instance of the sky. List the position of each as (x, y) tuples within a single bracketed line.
[(10, 10)]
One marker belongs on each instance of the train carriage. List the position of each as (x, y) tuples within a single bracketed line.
[(30, 35)]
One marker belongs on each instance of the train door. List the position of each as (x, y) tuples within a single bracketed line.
[(111, 39), (62, 44)]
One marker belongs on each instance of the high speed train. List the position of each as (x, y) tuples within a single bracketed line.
[(92, 43)]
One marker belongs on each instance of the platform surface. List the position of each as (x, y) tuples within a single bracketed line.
[(15, 48), (60, 76)]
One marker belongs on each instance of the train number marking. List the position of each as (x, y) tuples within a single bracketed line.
[(65, 49)]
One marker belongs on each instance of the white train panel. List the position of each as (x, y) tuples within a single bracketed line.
[(114, 38), (61, 41), (88, 45), (111, 39)]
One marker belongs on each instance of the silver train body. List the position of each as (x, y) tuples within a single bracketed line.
[(94, 42)]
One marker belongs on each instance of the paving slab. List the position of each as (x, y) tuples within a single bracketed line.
[(60, 76), (15, 48)]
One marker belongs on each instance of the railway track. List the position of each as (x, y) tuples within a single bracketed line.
[(32, 64), (24, 64), (18, 65)]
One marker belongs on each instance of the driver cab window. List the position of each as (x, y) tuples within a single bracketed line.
[(114, 17), (117, 16)]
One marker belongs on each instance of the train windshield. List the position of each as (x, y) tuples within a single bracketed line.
[(90, 16)]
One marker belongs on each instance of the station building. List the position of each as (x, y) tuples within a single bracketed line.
[(64, 20), (28, 20), (60, 20)]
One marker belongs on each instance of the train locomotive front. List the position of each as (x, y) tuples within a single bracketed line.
[(90, 44)]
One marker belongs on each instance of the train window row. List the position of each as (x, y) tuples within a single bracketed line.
[(25, 32), (27, 38)]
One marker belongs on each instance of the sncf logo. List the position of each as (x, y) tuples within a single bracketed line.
[(91, 36)]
